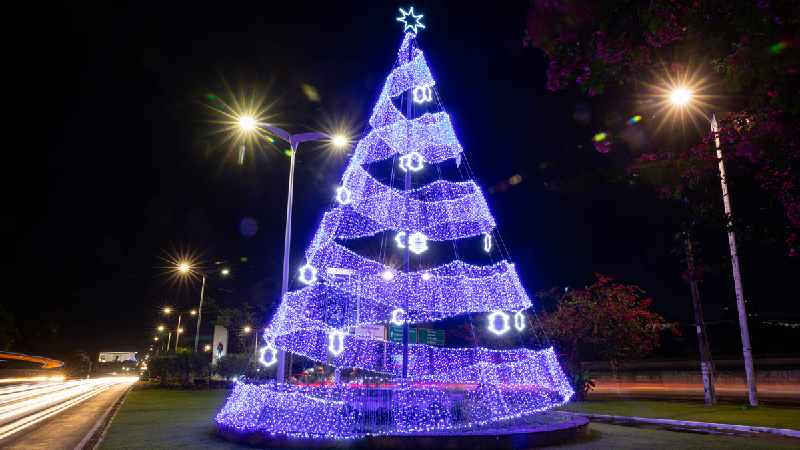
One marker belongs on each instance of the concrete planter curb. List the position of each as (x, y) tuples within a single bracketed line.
[(576, 428), (719, 426)]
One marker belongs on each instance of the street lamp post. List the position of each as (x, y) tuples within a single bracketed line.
[(185, 268), (178, 330), (683, 96), (293, 139)]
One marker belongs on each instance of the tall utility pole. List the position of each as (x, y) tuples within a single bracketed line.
[(737, 277), (706, 368), (680, 97)]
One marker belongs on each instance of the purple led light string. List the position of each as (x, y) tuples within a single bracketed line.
[(447, 389)]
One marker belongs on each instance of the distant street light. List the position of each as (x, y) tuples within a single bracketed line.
[(680, 97), (185, 268), (248, 124), (178, 330)]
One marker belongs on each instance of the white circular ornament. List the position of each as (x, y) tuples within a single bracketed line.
[(273, 355), (412, 161), (336, 342), (308, 274), (398, 317), (519, 321), (422, 94), (343, 195), (495, 318)]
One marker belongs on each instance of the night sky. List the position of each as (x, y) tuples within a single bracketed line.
[(116, 164)]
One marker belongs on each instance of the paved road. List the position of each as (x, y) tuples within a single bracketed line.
[(782, 393), (55, 416)]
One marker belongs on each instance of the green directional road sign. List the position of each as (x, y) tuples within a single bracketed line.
[(396, 335), (431, 337)]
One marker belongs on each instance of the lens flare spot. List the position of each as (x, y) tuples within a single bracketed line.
[(311, 93), (778, 47), (248, 227), (599, 137), (634, 119)]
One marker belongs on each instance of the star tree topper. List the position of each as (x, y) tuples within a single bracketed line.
[(406, 19)]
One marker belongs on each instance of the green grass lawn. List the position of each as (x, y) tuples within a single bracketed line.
[(760, 416), (178, 419)]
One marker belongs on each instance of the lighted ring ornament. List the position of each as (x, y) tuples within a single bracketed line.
[(493, 317), (412, 161), (418, 242), (336, 342), (274, 355), (487, 241), (422, 94), (519, 321), (343, 195), (396, 317), (308, 274)]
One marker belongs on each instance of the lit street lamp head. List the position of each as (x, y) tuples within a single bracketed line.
[(681, 96), (339, 141), (193, 312), (167, 310), (247, 123), (161, 328), (184, 267), (246, 329)]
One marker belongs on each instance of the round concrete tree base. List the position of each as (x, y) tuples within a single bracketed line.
[(577, 427)]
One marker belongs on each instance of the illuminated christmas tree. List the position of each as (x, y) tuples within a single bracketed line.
[(422, 388)]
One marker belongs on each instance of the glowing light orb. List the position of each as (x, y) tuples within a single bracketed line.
[(336, 342), (417, 20), (412, 161), (398, 317), (247, 123), (681, 96), (495, 318), (273, 355), (426, 276), (183, 267), (519, 321), (388, 275), (343, 195), (339, 141), (308, 274), (422, 94)]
